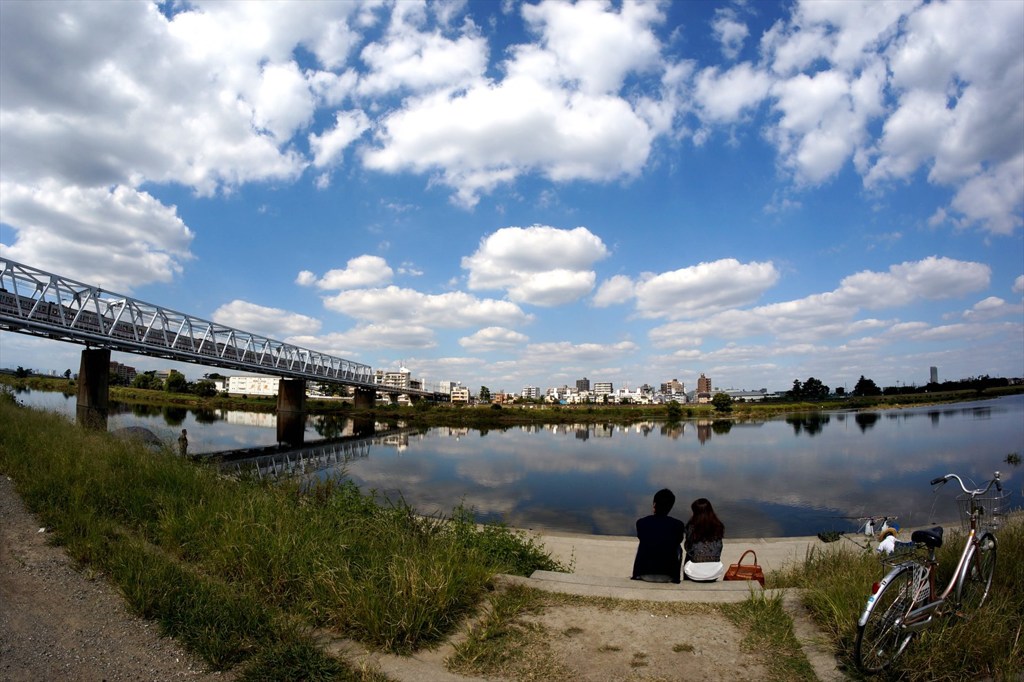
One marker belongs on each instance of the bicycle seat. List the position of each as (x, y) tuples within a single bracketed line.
[(931, 537)]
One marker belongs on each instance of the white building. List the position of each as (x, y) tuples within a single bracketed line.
[(446, 387), (401, 379), (460, 394), (253, 385), (603, 388), (531, 392)]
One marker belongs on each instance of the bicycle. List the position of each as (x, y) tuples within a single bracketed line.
[(905, 601)]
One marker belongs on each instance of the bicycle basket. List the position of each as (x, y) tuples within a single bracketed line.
[(991, 509)]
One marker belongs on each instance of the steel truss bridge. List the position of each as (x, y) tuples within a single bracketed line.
[(44, 304)]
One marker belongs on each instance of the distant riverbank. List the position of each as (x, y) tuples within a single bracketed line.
[(497, 416)]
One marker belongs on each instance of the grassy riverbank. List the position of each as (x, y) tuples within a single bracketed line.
[(987, 645), (242, 572)]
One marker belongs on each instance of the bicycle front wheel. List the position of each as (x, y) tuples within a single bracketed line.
[(881, 637), (976, 579)]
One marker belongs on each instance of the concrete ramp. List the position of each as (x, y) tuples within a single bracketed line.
[(624, 588)]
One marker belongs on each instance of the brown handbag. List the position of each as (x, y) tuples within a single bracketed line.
[(742, 571)]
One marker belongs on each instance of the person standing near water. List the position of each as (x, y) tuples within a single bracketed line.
[(183, 443)]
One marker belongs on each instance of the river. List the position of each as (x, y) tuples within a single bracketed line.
[(795, 475)]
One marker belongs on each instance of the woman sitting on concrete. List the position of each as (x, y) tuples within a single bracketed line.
[(704, 533)]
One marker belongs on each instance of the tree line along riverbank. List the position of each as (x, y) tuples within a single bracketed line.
[(494, 415)]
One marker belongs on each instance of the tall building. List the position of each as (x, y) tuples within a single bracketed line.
[(935, 375), (446, 387), (703, 384), (673, 387), (124, 372), (603, 387), (583, 384), (531, 392)]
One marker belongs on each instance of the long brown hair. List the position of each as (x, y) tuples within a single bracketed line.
[(704, 524)]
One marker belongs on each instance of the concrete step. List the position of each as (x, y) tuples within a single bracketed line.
[(625, 588)]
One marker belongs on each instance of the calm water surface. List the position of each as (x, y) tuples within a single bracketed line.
[(789, 476)]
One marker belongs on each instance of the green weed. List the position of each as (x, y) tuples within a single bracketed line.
[(229, 566)]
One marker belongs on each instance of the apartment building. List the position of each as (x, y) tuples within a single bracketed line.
[(253, 385)]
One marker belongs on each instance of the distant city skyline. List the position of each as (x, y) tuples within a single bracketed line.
[(518, 194)]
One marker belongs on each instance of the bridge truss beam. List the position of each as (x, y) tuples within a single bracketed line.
[(40, 303)]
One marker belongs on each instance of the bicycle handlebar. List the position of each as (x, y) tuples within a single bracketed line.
[(980, 491)]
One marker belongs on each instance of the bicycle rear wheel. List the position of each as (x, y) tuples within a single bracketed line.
[(881, 637), (976, 580)]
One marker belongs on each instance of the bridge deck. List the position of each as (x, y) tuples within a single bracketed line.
[(44, 304)]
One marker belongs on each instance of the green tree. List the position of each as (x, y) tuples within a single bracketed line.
[(21, 372), (485, 394), (176, 383), (797, 392), (815, 390), (722, 402), (673, 412), (67, 374), (866, 387), (204, 388), (147, 380)]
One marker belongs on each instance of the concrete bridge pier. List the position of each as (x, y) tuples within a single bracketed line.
[(291, 411), (93, 392), (364, 399)]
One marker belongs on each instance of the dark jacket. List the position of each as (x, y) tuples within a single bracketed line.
[(659, 552)]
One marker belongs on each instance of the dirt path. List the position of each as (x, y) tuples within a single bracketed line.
[(59, 624)]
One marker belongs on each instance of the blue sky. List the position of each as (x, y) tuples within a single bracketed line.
[(512, 194)]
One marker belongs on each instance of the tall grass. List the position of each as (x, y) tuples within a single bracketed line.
[(988, 644), (231, 566)]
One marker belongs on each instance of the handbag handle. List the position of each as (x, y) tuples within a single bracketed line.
[(749, 551)]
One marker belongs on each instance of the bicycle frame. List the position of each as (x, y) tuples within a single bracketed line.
[(919, 618)]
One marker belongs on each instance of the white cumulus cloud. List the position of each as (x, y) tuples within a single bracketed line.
[(271, 322), (540, 265), (118, 238), (703, 289), (361, 271), (493, 338), (454, 309)]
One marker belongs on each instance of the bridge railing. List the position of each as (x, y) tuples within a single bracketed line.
[(36, 302)]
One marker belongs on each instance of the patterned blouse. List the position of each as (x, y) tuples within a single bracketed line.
[(707, 550)]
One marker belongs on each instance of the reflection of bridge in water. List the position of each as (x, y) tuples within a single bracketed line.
[(277, 461)]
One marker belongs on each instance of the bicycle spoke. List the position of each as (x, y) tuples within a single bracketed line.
[(882, 638)]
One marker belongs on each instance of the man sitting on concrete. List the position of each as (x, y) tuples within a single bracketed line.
[(659, 557)]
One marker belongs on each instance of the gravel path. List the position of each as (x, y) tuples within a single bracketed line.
[(59, 624)]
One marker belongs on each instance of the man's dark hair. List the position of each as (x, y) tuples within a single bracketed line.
[(663, 501)]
